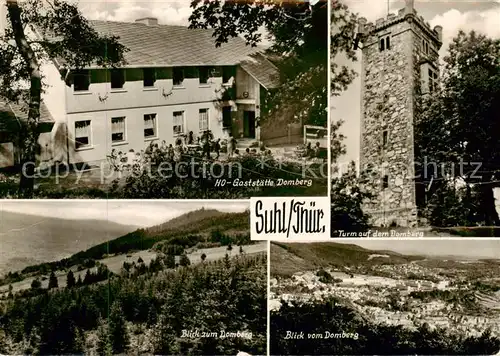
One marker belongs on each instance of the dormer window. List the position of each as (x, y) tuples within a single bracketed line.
[(117, 78), (149, 77), (384, 43), (81, 80), (227, 74), (204, 74), (178, 76)]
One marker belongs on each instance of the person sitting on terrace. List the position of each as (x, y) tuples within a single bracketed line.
[(190, 140)]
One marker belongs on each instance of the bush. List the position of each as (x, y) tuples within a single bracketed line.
[(324, 276)]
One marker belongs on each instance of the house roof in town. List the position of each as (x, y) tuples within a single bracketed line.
[(12, 114), (169, 46), (261, 68)]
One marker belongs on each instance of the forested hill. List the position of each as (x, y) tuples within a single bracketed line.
[(186, 230), (287, 259), (202, 219)]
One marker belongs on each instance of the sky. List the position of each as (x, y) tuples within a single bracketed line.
[(480, 15), (171, 12), (465, 248), (137, 213)]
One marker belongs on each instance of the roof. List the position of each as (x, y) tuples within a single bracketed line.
[(167, 45), (259, 67), (11, 114)]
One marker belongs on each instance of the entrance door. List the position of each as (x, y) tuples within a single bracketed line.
[(249, 124)]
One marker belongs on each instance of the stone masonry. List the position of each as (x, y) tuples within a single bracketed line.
[(392, 76)]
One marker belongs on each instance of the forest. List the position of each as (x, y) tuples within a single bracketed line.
[(143, 312), (333, 316)]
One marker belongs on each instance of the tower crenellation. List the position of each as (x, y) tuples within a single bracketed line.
[(400, 58)]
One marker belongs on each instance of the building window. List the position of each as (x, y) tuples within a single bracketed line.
[(149, 125), (388, 42), (149, 77), (433, 81), (178, 122), (204, 74), (226, 116), (81, 80), (178, 76), (83, 134), (385, 182), (117, 78), (203, 119), (227, 74), (117, 129), (384, 138)]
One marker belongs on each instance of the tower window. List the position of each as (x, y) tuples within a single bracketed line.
[(384, 43), (425, 46), (384, 138), (385, 182), (433, 80)]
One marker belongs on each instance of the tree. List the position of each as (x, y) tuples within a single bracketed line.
[(88, 279), (203, 256), (36, 284), (299, 49), (164, 340), (227, 261), (53, 283), (70, 279), (347, 196), (170, 261), (104, 346), (79, 281), (456, 128), (229, 248), (343, 24), (117, 329), (184, 261), (63, 33)]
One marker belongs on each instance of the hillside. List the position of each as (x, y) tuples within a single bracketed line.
[(287, 259), (30, 239), (185, 220), (186, 230)]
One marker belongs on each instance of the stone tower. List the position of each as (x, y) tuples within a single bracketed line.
[(399, 60)]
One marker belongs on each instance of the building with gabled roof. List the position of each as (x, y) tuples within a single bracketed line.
[(175, 81)]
